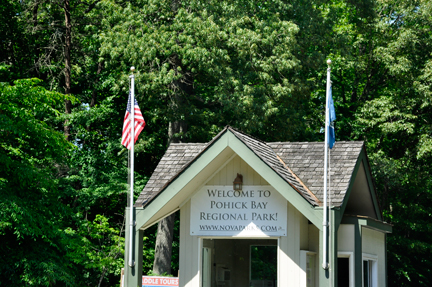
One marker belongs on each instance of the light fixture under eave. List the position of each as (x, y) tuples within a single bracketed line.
[(238, 182)]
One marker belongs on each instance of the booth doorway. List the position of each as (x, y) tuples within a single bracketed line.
[(239, 263)]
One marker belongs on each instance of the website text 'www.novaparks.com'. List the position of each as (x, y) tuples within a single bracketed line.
[(216, 227)]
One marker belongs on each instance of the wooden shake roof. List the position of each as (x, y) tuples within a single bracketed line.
[(300, 164)]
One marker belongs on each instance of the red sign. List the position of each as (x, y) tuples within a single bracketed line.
[(156, 281)]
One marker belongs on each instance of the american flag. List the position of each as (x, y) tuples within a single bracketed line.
[(139, 124)]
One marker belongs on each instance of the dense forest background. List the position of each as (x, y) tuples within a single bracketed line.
[(259, 66)]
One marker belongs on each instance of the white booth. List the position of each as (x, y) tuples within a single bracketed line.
[(251, 214)]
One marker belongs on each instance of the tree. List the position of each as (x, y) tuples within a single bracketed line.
[(258, 66), (32, 153), (204, 65), (381, 85), (90, 184), (397, 123)]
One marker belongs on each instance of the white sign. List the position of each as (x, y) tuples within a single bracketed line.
[(258, 211), (159, 281)]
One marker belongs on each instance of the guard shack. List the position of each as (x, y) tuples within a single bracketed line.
[(251, 214)]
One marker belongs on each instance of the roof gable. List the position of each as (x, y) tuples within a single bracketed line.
[(294, 169), (360, 200), (179, 156), (176, 190)]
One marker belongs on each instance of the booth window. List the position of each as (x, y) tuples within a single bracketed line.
[(345, 266), (263, 265), (370, 278)]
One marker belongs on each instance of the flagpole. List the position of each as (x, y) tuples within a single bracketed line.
[(330, 217), (132, 138), (325, 264)]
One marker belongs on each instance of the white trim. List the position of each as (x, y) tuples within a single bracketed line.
[(200, 246), (350, 256), (278, 259), (144, 227), (208, 272), (303, 267), (370, 256)]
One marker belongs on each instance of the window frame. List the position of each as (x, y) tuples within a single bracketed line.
[(371, 259), (350, 256)]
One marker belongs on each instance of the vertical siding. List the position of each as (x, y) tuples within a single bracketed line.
[(289, 270), (229, 172), (346, 238), (304, 233), (373, 242), (189, 255), (314, 245)]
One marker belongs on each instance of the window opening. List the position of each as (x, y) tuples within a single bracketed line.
[(343, 272), (345, 266), (370, 278)]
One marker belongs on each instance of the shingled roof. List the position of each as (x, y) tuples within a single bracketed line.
[(300, 164), (306, 159)]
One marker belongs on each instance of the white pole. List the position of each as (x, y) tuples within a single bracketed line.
[(132, 138), (330, 219), (325, 264)]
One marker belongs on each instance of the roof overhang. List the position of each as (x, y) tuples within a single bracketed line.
[(368, 222)]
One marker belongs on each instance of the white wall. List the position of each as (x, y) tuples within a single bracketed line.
[(189, 251), (297, 238), (346, 248), (346, 238), (373, 243), (227, 174), (289, 270)]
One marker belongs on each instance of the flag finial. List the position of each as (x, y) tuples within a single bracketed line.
[(329, 62), (132, 69)]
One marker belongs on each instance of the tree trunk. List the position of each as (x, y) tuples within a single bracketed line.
[(94, 93), (163, 248), (67, 50), (165, 232)]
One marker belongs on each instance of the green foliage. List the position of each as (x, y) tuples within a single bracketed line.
[(216, 63), (96, 247), (382, 89), (263, 262), (51, 202), (31, 153), (258, 66)]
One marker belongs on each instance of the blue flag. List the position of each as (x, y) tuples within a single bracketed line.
[(332, 118)]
